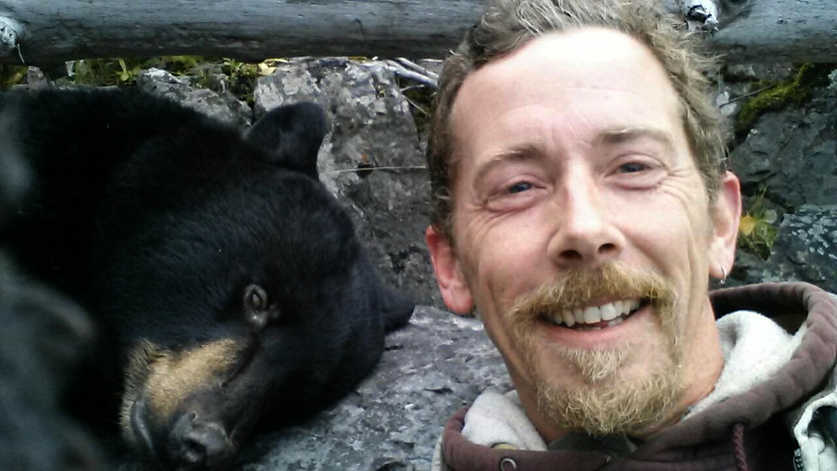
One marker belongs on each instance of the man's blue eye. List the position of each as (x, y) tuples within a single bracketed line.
[(520, 187), (632, 167)]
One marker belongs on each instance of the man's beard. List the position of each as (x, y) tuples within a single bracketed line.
[(603, 402)]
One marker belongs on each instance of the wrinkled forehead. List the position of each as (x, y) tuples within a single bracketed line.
[(564, 66)]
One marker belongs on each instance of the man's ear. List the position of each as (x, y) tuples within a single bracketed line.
[(449, 276), (726, 216)]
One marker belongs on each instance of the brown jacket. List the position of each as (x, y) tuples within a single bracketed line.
[(746, 432)]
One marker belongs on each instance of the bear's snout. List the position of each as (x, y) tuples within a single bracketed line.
[(196, 444)]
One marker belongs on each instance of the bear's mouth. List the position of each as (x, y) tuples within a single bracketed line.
[(596, 317)]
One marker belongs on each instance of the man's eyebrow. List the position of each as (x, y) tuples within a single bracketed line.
[(616, 136), (514, 154), (611, 136)]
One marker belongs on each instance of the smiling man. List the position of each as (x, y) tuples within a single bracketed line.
[(581, 204)]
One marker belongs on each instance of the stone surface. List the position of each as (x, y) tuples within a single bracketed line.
[(789, 158), (756, 71), (805, 250), (221, 106), (792, 154)]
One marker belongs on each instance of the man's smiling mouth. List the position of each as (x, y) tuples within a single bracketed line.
[(596, 317)]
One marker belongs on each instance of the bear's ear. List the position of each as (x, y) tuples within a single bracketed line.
[(291, 135)]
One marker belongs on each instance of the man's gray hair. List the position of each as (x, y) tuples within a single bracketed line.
[(508, 24)]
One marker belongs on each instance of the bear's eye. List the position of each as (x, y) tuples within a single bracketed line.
[(255, 298)]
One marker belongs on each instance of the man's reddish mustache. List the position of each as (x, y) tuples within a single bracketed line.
[(588, 287)]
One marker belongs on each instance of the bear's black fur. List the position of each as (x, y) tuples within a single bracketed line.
[(231, 280)]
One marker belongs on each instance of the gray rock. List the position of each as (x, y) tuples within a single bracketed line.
[(723, 100), (792, 154), (767, 71), (437, 364), (371, 160), (805, 250), (222, 106), (36, 79)]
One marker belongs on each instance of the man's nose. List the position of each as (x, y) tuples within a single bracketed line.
[(585, 234)]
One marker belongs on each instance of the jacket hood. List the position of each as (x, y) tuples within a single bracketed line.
[(808, 367)]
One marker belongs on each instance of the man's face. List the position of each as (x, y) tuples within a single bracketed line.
[(577, 197)]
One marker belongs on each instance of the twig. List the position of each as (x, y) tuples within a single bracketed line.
[(413, 66), (741, 97), (410, 87), (416, 105), (399, 70)]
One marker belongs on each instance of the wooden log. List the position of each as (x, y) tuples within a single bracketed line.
[(51, 31), (780, 31)]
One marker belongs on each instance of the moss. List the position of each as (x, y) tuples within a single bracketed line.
[(756, 231), (242, 77), (103, 72), (177, 65), (793, 91), (124, 70)]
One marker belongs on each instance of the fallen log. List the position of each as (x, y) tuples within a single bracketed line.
[(49, 32)]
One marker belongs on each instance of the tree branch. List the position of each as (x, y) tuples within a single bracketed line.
[(47, 32)]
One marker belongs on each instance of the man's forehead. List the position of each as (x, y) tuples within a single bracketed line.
[(557, 68), (575, 58)]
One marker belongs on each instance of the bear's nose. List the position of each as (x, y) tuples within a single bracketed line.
[(197, 444)]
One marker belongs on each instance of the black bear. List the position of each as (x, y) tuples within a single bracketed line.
[(229, 278)]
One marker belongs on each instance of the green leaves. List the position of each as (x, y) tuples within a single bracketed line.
[(756, 231)]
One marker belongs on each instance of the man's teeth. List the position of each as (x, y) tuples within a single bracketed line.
[(612, 313)]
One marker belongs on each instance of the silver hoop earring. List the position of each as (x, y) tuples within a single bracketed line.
[(723, 276)]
